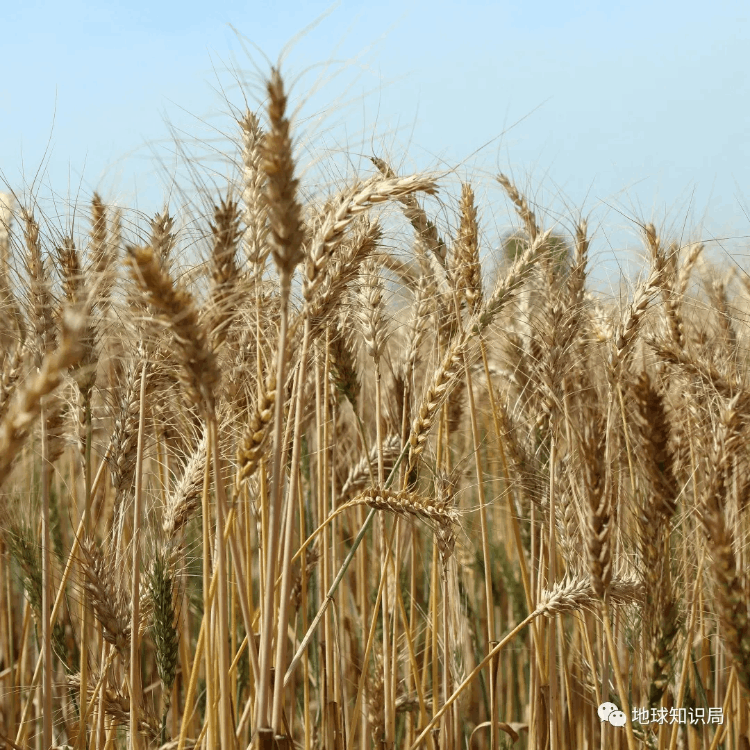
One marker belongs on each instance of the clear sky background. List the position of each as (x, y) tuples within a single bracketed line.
[(621, 110)]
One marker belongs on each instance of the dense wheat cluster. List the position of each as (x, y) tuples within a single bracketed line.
[(340, 486)]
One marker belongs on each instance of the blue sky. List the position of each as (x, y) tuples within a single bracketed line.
[(621, 110)]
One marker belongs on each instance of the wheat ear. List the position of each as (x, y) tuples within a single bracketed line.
[(107, 596), (347, 206), (223, 299), (731, 592), (255, 215), (468, 269), (424, 228), (26, 406), (522, 206), (177, 311)]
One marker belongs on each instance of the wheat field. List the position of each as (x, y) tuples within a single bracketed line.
[(339, 485)]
